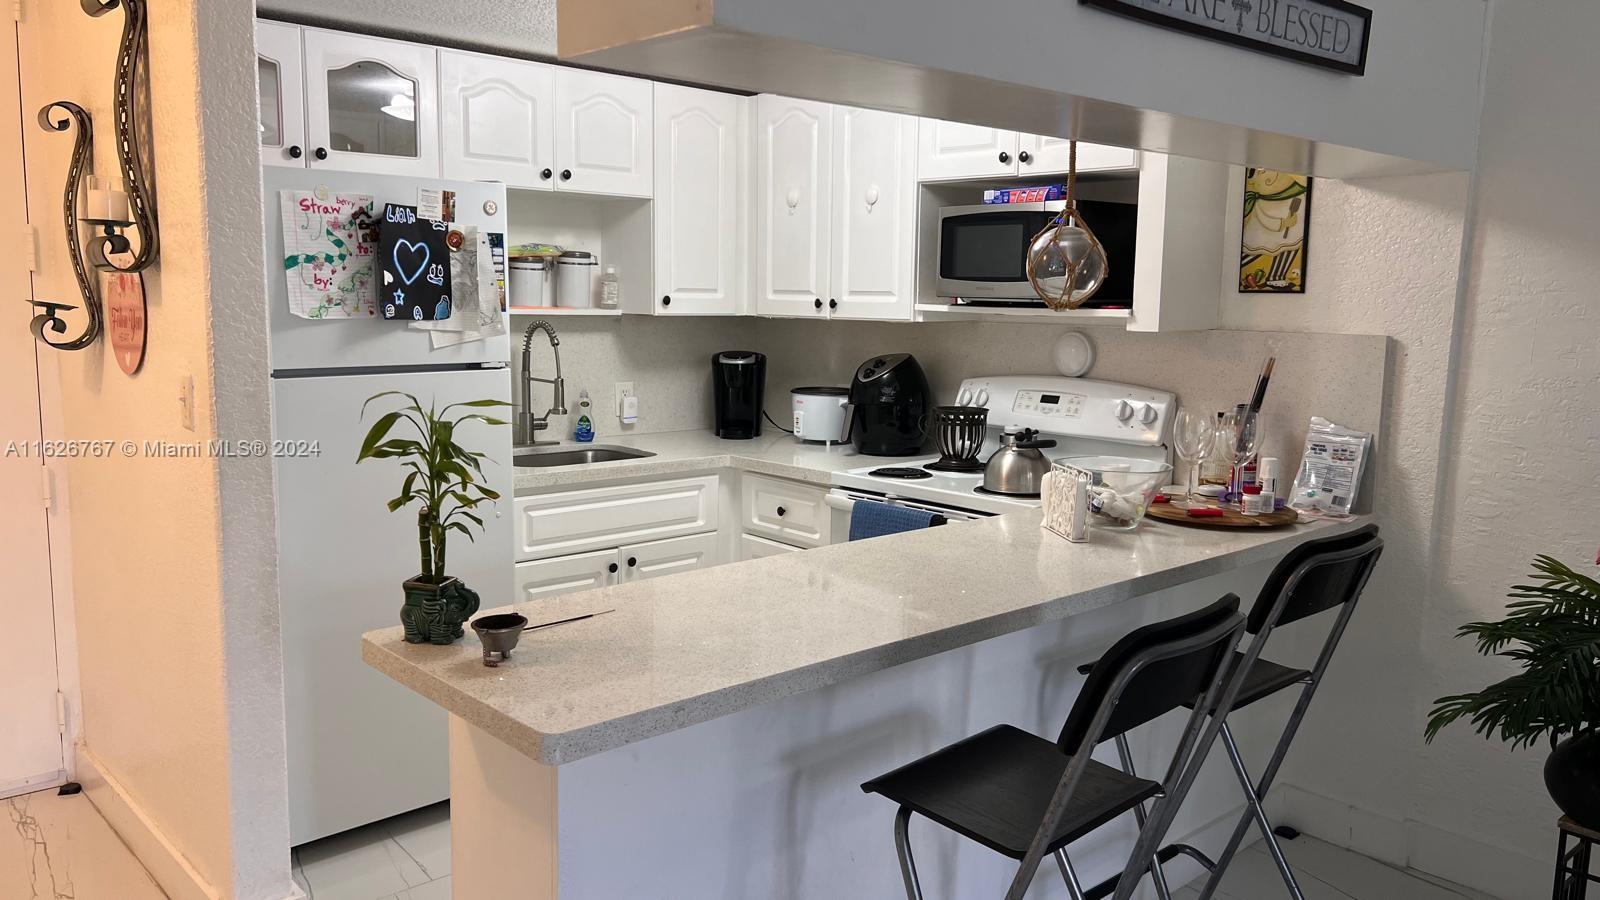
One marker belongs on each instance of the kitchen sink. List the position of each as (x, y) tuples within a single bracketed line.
[(550, 457)]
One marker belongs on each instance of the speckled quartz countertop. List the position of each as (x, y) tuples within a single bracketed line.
[(774, 453), (703, 644)]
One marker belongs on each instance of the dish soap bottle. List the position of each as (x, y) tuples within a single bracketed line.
[(583, 432), (610, 289)]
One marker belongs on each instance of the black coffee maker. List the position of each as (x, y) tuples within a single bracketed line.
[(738, 385), (889, 406)]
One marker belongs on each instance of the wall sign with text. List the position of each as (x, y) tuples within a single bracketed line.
[(1328, 33)]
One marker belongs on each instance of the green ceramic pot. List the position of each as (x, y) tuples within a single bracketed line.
[(434, 613)]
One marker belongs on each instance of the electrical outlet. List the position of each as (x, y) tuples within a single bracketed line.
[(624, 389), (186, 401)]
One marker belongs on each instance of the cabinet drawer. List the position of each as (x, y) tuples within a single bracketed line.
[(566, 522), (753, 547), (784, 511), (565, 574)]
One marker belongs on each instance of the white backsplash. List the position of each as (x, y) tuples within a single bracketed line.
[(1338, 376)]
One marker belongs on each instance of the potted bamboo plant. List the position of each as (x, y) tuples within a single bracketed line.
[(1552, 628), (445, 479)]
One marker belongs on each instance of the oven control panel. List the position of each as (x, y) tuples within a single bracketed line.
[(1076, 407)]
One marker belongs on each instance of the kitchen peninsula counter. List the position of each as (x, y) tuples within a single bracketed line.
[(715, 727), (683, 650)]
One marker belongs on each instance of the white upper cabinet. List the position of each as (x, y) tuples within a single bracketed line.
[(874, 226), (279, 68), (793, 148), (497, 119), (371, 104), (1037, 153), (603, 132), (949, 151), (699, 241)]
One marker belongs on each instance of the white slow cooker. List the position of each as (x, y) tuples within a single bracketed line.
[(820, 414)]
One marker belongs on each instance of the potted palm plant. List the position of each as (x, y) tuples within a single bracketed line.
[(445, 479), (1552, 628)]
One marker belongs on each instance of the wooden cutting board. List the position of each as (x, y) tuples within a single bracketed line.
[(1230, 518)]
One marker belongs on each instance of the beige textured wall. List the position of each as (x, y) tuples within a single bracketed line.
[(161, 715), (1525, 449)]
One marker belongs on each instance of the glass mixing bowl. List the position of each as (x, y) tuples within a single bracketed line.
[(1122, 488)]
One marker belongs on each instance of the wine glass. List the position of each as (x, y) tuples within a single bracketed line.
[(1194, 435), (1243, 431)]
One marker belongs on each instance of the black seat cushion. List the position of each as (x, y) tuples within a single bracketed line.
[(993, 787), (1265, 679)]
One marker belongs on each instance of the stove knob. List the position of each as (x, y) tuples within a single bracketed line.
[(963, 398), (1148, 414), (983, 397), (1124, 410)]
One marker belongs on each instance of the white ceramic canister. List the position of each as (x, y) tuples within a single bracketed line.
[(531, 282), (575, 272)]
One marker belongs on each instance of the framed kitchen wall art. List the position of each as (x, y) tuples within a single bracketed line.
[(1275, 236)]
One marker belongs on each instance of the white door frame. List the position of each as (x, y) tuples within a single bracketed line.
[(54, 478)]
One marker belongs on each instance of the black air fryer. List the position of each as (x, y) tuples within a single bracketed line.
[(738, 383), (890, 403)]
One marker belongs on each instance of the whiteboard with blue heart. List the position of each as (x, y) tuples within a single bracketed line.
[(414, 266)]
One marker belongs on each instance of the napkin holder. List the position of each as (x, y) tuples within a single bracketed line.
[(1065, 493)]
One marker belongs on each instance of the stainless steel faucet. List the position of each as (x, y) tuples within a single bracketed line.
[(529, 424)]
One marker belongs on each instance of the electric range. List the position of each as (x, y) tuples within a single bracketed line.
[(1085, 417)]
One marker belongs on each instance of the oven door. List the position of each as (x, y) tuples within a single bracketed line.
[(841, 500), (983, 250)]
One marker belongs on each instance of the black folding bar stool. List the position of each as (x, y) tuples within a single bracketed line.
[(1024, 796), (1317, 576)]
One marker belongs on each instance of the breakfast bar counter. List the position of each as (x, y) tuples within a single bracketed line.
[(776, 685)]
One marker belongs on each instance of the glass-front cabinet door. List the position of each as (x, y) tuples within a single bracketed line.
[(283, 111), (371, 104)]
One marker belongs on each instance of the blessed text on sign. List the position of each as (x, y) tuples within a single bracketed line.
[(1328, 33)]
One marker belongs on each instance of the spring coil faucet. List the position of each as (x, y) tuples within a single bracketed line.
[(529, 424)]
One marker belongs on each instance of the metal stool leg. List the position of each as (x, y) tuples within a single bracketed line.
[(902, 846), (1068, 874), (1254, 803), (1125, 758)]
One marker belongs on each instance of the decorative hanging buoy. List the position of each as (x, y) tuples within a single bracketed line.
[(1066, 263)]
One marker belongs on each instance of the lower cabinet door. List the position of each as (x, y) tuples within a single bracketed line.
[(752, 547), (656, 558), (565, 574)]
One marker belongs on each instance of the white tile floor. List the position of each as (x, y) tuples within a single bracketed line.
[(56, 848), (63, 849), (403, 858)]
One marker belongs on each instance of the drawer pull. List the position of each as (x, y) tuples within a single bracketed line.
[(781, 511)]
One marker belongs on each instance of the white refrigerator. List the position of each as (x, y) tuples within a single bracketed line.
[(360, 746)]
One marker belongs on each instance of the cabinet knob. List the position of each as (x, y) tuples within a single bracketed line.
[(1024, 157), (320, 153), (1005, 157), (833, 304), (612, 568), (295, 152), (633, 561), (817, 303), (666, 300), (545, 174), (781, 511), (566, 174)]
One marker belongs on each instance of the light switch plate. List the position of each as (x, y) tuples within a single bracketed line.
[(186, 401)]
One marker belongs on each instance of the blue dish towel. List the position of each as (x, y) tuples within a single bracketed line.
[(869, 519)]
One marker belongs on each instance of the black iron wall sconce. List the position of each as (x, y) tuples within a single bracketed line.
[(112, 212)]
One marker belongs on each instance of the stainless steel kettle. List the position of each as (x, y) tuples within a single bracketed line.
[(1017, 468)]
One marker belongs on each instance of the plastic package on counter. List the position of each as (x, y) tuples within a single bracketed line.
[(1330, 470)]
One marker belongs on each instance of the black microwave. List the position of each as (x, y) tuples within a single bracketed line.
[(983, 251)]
